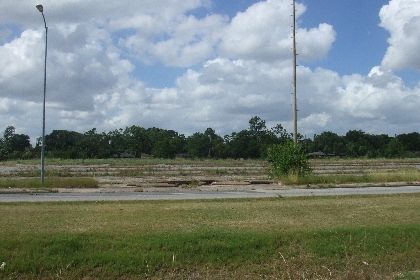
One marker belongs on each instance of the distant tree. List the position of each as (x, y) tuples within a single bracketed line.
[(135, 140), (281, 133), (63, 143), (165, 143), (410, 141), (379, 144), (198, 145), (329, 143), (357, 143), (241, 146), (166, 148), (395, 149), (257, 128), (13, 145), (218, 147)]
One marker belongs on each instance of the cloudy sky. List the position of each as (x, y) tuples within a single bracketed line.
[(193, 64)]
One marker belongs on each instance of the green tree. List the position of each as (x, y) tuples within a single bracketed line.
[(287, 159), (135, 140), (257, 128), (410, 141), (328, 143), (12, 145), (165, 143), (395, 149), (240, 145), (281, 133), (357, 143), (63, 143), (198, 145)]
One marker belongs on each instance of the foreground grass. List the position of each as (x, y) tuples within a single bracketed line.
[(49, 183), (367, 237)]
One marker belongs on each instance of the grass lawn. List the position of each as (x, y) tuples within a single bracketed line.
[(346, 237)]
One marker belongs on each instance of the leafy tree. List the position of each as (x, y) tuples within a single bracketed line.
[(19, 142), (207, 144), (257, 128), (13, 145), (357, 143), (379, 144), (410, 141), (90, 144), (63, 143), (240, 145), (135, 140), (328, 143), (218, 147), (281, 133), (395, 149), (287, 159), (166, 143), (166, 148), (198, 145)]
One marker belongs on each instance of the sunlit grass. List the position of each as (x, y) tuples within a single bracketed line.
[(49, 183), (364, 237), (403, 175)]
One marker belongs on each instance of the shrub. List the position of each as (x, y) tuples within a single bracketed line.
[(287, 159)]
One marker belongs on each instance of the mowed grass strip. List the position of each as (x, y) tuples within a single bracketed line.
[(366, 237)]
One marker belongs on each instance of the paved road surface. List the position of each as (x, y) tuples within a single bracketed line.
[(43, 197)]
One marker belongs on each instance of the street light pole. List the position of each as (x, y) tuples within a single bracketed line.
[(41, 10), (294, 78)]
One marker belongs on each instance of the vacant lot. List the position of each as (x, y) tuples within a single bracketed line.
[(154, 175)]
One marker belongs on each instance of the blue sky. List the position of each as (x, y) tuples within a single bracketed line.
[(360, 41), (188, 65)]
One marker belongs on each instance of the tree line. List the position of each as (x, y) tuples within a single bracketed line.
[(253, 143)]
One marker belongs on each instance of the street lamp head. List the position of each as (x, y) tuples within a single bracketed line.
[(40, 8)]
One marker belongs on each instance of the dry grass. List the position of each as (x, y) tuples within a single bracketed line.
[(283, 238)]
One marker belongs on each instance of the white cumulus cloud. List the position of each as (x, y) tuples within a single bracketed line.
[(402, 19)]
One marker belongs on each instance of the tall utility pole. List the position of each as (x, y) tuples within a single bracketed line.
[(294, 77), (41, 10)]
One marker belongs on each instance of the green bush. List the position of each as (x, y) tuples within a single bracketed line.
[(287, 159)]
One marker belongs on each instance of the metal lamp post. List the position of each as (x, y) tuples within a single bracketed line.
[(41, 10), (295, 140)]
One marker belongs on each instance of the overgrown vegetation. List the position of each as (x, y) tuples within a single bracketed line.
[(367, 237), (287, 159)]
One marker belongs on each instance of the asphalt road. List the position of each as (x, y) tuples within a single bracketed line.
[(119, 196)]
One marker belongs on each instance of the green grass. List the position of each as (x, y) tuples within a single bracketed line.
[(406, 175), (333, 180), (49, 183), (363, 237), (411, 275)]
